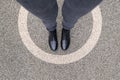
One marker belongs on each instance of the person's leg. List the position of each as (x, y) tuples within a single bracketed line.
[(46, 10), (73, 9)]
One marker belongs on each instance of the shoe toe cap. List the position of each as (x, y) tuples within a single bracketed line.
[(53, 45), (64, 44)]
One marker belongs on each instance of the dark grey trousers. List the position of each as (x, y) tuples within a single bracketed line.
[(47, 11)]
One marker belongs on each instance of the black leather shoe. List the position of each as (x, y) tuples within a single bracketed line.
[(53, 43), (65, 39)]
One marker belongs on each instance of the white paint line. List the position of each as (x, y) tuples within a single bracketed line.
[(60, 59)]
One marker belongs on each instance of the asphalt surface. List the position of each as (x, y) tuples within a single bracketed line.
[(17, 62)]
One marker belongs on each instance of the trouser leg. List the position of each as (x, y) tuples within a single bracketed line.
[(73, 9), (46, 10)]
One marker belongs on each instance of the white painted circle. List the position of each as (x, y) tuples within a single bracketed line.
[(60, 59)]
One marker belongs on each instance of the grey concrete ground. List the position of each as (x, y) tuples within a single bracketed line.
[(102, 63)]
